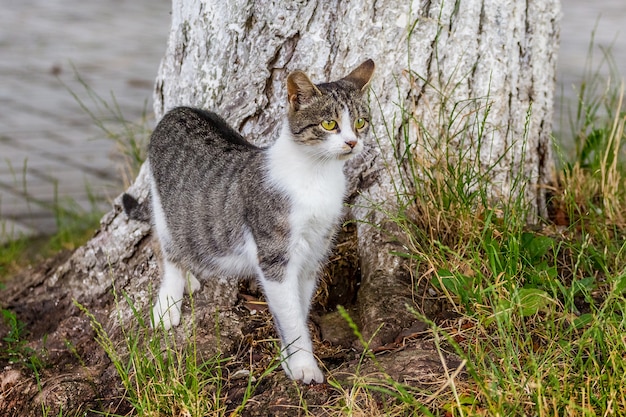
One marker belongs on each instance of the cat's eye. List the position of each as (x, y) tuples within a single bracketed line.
[(359, 123), (329, 124)]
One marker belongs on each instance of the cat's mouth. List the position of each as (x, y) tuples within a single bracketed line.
[(348, 153)]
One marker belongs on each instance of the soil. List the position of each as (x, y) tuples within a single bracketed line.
[(56, 366)]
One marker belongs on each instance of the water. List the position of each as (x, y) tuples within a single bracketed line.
[(50, 148), (606, 20)]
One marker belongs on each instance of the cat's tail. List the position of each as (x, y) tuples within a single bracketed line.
[(136, 210)]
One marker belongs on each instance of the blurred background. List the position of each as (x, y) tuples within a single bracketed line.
[(77, 79), (76, 97)]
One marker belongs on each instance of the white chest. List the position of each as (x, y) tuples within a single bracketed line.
[(317, 205), (316, 191), (315, 213)]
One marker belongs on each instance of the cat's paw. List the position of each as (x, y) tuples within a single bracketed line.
[(165, 315), (303, 369)]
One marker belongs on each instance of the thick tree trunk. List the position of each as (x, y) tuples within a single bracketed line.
[(233, 57)]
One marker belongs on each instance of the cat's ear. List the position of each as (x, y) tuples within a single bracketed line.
[(300, 89), (362, 75)]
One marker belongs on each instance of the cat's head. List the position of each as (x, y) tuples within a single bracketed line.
[(330, 119)]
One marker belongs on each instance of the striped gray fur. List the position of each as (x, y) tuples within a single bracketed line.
[(212, 187)]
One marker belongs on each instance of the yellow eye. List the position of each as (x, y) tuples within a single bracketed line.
[(329, 124), (359, 123)]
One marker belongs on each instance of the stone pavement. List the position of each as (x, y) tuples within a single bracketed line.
[(50, 148)]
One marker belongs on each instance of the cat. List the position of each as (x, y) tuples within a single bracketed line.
[(221, 205)]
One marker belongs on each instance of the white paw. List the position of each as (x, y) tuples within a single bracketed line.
[(303, 367), (166, 315), (192, 285)]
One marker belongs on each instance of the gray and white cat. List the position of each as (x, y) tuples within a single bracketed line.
[(221, 205)]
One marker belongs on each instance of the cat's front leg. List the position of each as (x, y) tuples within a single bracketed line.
[(286, 304), (307, 286)]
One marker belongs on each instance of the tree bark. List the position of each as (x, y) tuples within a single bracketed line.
[(233, 58)]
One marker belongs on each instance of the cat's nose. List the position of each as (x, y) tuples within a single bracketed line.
[(351, 143)]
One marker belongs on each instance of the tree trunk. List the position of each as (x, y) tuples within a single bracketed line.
[(233, 57)]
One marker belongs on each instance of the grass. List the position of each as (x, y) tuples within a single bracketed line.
[(162, 375), (17, 351), (158, 375), (74, 226), (540, 312)]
